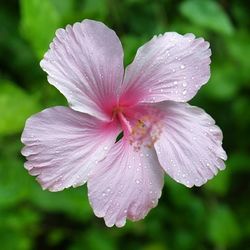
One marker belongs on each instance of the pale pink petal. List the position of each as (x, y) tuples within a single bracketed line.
[(63, 145), (190, 145), (85, 62), (126, 184), (168, 67)]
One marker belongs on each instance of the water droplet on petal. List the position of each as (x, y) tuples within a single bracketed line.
[(137, 181)]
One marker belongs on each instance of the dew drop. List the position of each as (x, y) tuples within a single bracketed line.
[(137, 181), (184, 84), (184, 92), (182, 66)]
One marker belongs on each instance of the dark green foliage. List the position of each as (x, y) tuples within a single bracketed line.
[(215, 216)]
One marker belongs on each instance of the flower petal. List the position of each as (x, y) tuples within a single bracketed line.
[(168, 67), (85, 62), (190, 146), (63, 145), (126, 184)]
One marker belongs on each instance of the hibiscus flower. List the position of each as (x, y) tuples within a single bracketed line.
[(123, 129)]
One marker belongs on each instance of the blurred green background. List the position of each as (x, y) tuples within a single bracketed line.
[(215, 216)]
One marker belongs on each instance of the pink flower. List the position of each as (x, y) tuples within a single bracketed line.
[(71, 146)]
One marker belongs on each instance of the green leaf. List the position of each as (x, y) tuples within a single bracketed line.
[(220, 183), (73, 201), (131, 44), (239, 162), (239, 49), (15, 107), (119, 137), (208, 14), (14, 181), (18, 228), (223, 229), (179, 194), (224, 83), (39, 21), (95, 9)]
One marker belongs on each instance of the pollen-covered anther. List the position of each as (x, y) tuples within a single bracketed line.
[(146, 131)]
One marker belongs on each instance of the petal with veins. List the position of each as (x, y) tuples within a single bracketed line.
[(85, 62), (190, 146), (126, 184), (63, 145), (168, 67)]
